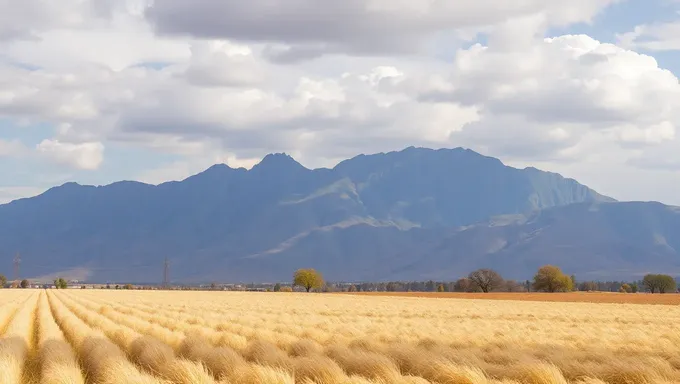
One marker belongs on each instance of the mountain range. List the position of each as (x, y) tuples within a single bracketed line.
[(414, 214)]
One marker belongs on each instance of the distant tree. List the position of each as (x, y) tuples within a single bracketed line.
[(486, 279), (213, 286), (391, 287), (464, 285), (651, 282), (550, 278), (286, 289), (3, 281), (634, 287), (117, 286), (513, 286), (308, 279), (666, 284), (352, 288), (527, 284), (440, 288), (24, 283), (60, 283), (430, 286), (588, 286), (127, 286), (573, 282), (659, 283), (108, 286), (83, 287), (625, 288), (277, 287)]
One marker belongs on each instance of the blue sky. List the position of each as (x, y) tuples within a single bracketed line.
[(101, 91)]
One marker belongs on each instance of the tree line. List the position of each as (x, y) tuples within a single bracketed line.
[(548, 278)]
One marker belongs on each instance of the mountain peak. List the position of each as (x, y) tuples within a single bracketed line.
[(278, 162)]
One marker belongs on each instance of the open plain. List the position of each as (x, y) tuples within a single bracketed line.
[(568, 297), (110, 336)]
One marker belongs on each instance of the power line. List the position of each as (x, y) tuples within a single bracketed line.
[(166, 265), (135, 267)]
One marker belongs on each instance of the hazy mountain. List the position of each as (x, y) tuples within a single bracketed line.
[(389, 215)]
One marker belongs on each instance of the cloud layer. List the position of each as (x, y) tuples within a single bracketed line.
[(200, 82)]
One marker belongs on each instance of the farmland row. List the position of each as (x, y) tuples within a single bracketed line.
[(565, 325), (428, 359), (259, 357), (79, 337)]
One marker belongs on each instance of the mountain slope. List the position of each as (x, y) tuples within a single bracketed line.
[(217, 224), (591, 240)]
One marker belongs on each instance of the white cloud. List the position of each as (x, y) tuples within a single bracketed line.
[(220, 63), (218, 92), (87, 156), (653, 37), (653, 134)]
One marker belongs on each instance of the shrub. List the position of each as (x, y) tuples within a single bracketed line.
[(550, 278), (60, 283)]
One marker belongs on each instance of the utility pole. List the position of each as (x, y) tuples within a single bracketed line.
[(17, 263), (166, 265)]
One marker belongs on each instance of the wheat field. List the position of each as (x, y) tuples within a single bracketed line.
[(104, 336)]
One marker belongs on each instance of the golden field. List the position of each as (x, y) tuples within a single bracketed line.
[(103, 336), (573, 297)]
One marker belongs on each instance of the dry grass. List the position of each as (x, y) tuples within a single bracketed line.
[(16, 342), (568, 297), (115, 337), (57, 360)]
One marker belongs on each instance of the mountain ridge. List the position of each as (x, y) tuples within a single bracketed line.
[(283, 155), (349, 219)]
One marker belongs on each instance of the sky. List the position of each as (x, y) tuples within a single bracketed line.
[(97, 91)]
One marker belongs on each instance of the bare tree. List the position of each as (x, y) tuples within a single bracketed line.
[(486, 279)]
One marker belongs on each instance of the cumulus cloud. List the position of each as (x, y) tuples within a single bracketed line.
[(220, 63), (553, 93), (88, 156), (206, 82), (653, 37), (22, 19), (308, 28)]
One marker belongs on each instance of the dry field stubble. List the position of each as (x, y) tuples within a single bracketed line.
[(567, 297), (88, 336)]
